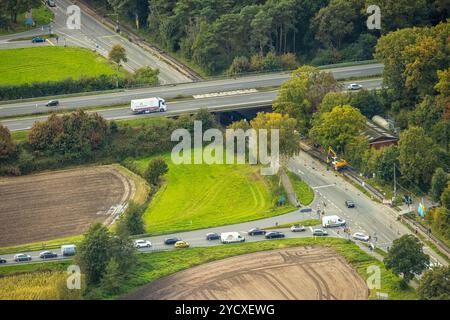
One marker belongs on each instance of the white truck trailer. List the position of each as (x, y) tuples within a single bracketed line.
[(231, 237), (332, 221), (148, 105)]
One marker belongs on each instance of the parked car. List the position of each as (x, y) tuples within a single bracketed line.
[(297, 228), (360, 236), (37, 40), (2, 260), (47, 255), (181, 244), (22, 257), (142, 244), (349, 204), (274, 235), (212, 236), (172, 240), (52, 103), (319, 232), (256, 232), (354, 86), (51, 3)]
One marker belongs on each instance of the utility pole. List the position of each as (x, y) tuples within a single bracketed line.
[(395, 183)]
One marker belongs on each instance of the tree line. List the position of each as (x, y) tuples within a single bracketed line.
[(213, 34)]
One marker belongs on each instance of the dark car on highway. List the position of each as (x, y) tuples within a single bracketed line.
[(171, 240), (2, 260), (350, 204), (37, 40), (22, 257), (212, 236), (274, 235), (52, 103), (48, 255), (256, 232), (51, 3)]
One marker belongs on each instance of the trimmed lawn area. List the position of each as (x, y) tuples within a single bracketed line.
[(202, 196), (40, 64), (153, 266), (304, 193)]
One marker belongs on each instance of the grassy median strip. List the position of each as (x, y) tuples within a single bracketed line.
[(304, 193), (156, 265), (305, 223)]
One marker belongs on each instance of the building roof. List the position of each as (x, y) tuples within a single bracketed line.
[(375, 133)]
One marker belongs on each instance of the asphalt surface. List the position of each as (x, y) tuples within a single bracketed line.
[(372, 218), (186, 89), (232, 102), (95, 36)]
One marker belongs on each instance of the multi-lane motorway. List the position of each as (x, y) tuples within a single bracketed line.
[(239, 101)]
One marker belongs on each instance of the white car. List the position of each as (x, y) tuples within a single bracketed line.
[(360, 236), (354, 86), (297, 228), (142, 244)]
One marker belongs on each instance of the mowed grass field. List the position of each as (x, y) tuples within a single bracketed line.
[(40, 64), (202, 196)]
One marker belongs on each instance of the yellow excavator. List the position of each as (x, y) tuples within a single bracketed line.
[(334, 160)]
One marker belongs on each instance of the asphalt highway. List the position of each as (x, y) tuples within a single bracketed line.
[(232, 102), (186, 89)]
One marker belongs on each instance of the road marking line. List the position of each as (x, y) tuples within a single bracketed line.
[(324, 186), (48, 40)]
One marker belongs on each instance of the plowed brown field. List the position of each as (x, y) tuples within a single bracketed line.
[(300, 273), (58, 204)]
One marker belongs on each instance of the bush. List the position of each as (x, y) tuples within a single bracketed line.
[(156, 168), (239, 65)]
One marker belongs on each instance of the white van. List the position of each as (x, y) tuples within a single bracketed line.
[(231, 237), (332, 221), (68, 250)]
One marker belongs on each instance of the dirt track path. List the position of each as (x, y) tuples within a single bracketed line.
[(300, 273)]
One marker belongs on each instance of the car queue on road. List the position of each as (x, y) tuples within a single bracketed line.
[(144, 245)]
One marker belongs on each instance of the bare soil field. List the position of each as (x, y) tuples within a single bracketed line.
[(60, 203), (299, 273)]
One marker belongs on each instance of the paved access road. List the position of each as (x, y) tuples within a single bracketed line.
[(95, 36)]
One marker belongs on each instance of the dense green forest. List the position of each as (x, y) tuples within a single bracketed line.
[(255, 35)]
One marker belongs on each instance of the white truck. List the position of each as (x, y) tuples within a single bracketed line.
[(154, 104), (332, 221), (231, 237), (68, 250)]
